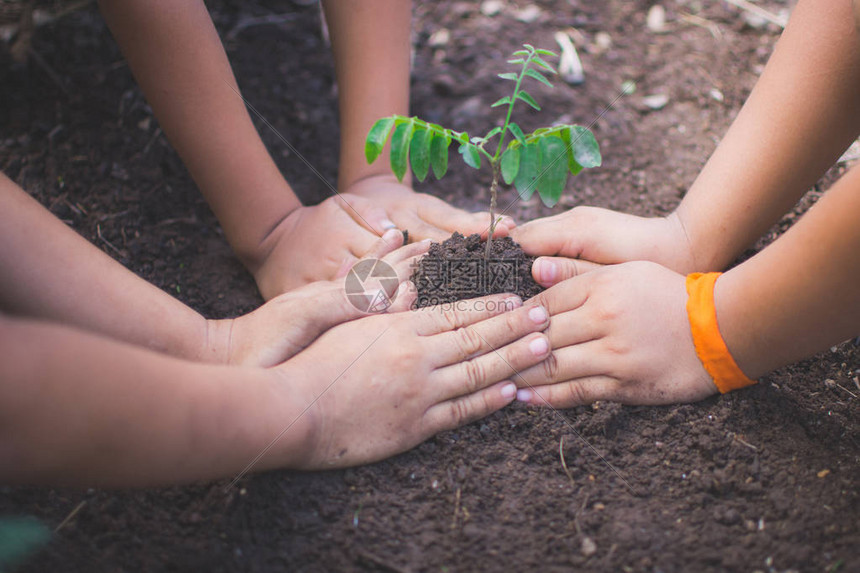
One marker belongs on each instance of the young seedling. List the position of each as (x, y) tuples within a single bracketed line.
[(539, 161)]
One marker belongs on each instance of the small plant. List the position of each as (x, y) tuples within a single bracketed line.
[(539, 161)]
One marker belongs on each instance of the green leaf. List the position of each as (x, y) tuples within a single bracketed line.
[(496, 130), (419, 153), (526, 178), (529, 47), (509, 76), (542, 63), (528, 99), (505, 100), (517, 132), (538, 76), (543, 52), (439, 155), (510, 164), (521, 53), (572, 165), (516, 61), (400, 149), (471, 155), (553, 176), (376, 138), (586, 151)]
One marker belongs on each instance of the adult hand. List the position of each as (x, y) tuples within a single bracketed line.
[(424, 216), (605, 237), (619, 333), (380, 385), (313, 243), (290, 322)]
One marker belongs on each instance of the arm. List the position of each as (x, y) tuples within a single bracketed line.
[(621, 333), (50, 272), (177, 57), (803, 112), (371, 45), (78, 409)]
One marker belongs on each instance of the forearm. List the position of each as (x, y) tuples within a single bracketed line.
[(76, 409), (803, 112), (179, 62), (371, 45), (801, 294), (47, 271)]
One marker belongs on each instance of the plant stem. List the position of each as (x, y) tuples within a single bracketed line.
[(496, 165)]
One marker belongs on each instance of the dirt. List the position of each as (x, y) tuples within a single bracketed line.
[(765, 479), (459, 268)]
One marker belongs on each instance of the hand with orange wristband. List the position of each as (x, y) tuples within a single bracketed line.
[(640, 332)]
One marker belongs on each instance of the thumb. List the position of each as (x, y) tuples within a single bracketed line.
[(366, 213), (548, 271)]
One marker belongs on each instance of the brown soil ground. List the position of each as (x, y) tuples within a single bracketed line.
[(766, 479)]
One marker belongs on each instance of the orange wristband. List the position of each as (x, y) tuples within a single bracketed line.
[(710, 346)]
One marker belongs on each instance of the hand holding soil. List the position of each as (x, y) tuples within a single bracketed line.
[(379, 386), (290, 322), (605, 237), (338, 231), (618, 333)]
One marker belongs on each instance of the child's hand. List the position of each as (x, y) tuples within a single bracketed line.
[(619, 333), (312, 243), (606, 237), (290, 322), (424, 216), (380, 385)]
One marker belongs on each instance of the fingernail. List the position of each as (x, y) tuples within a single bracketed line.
[(388, 224), (513, 302), (509, 391), (538, 315), (546, 270), (391, 234), (524, 396), (539, 346)]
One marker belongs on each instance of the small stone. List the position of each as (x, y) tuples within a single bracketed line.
[(491, 7), (655, 101), (823, 473), (528, 14), (589, 547), (716, 95), (628, 87), (830, 383), (603, 42), (569, 64), (439, 38), (598, 506), (754, 21), (656, 20)]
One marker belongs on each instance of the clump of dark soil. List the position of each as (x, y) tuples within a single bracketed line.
[(459, 269)]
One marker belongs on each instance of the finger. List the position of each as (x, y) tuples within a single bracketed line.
[(419, 229), (548, 271), (404, 298), (503, 363), (444, 317), (488, 335), (574, 327), (549, 236), (390, 241), (567, 295), (365, 212), (407, 252), (570, 394), (451, 414), (568, 363)]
